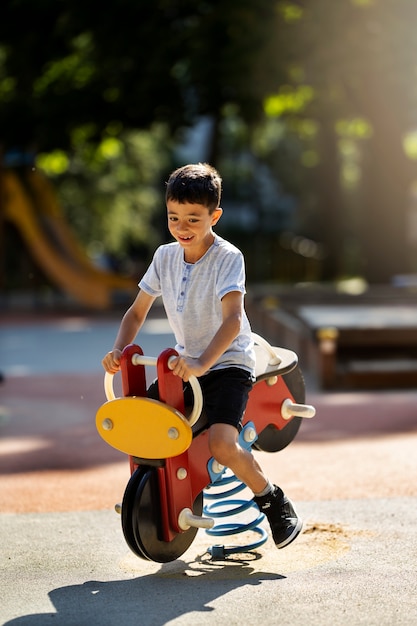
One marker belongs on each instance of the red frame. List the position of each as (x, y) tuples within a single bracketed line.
[(176, 494)]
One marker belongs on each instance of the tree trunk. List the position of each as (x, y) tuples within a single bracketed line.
[(387, 177), (332, 220)]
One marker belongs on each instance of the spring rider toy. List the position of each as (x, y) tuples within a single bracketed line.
[(167, 444)]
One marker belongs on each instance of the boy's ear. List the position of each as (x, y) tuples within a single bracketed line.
[(216, 215)]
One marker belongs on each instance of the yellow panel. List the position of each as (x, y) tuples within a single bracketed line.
[(143, 427)]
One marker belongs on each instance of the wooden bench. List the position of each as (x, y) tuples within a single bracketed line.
[(371, 346), (347, 343)]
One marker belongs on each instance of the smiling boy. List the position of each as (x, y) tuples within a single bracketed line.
[(201, 278)]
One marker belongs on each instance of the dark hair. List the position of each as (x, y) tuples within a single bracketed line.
[(196, 183)]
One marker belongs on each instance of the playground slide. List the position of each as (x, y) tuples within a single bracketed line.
[(82, 285), (47, 205)]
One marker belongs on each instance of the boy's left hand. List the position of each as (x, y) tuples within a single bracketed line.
[(184, 367)]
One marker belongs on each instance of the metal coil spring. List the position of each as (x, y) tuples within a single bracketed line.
[(225, 507)]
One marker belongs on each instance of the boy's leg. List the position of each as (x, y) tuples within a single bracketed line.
[(284, 522), (224, 446)]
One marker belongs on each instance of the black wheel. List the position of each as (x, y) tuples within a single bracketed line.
[(142, 520), (273, 440), (128, 507)]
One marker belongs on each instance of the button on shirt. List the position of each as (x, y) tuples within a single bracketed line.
[(192, 294)]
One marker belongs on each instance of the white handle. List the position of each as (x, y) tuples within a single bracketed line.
[(289, 409), (187, 519), (140, 359), (108, 386), (260, 341)]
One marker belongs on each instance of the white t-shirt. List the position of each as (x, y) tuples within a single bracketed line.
[(192, 294)]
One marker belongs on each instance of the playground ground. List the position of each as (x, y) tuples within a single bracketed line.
[(351, 470)]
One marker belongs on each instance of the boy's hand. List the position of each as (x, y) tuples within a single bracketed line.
[(111, 361), (186, 367)]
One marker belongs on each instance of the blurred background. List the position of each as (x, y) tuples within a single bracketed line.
[(308, 109)]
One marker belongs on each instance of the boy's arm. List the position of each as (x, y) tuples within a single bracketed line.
[(232, 307), (130, 325)]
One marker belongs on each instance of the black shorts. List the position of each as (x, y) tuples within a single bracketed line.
[(225, 395)]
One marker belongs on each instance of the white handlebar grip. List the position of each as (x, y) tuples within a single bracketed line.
[(274, 358), (108, 386), (146, 360), (198, 396), (290, 409), (198, 400)]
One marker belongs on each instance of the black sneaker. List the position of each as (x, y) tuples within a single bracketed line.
[(284, 521)]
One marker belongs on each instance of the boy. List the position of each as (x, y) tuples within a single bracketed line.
[(201, 278)]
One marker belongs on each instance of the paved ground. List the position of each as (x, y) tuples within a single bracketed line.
[(352, 471)]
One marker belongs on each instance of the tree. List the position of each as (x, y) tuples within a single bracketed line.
[(134, 61), (81, 87), (358, 57), (337, 74)]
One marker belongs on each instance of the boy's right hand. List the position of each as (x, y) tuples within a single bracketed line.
[(111, 361)]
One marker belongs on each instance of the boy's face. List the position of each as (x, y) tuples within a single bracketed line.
[(191, 225)]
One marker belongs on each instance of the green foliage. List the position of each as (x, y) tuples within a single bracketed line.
[(318, 97), (89, 91), (132, 61), (112, 192), (289, 100)]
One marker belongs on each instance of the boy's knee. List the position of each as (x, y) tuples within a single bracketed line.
[(223, 451)]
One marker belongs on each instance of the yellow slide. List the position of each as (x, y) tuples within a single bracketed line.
[(47, 205), (86, 285)]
